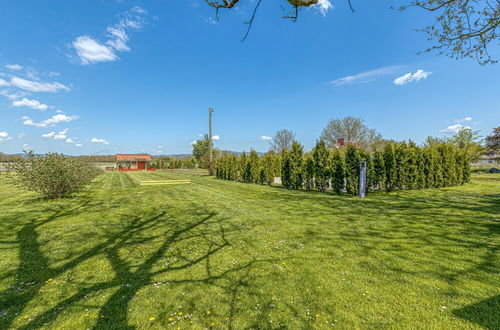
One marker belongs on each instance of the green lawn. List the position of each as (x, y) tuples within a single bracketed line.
[(232, 255)]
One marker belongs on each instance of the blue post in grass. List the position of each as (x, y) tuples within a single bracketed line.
[(362, 180)]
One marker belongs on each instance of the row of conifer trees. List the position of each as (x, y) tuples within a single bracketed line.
[(397, 166)]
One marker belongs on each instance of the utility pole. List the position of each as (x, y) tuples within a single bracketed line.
[(210, 145)]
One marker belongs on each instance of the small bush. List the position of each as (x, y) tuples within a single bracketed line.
[(54, 175)]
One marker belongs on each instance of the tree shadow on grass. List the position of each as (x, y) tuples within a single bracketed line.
[(485, 313), (34, 268)]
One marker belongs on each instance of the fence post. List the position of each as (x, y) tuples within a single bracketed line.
[(362, 180)]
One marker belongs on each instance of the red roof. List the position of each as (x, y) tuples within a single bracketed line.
[(133, 158)]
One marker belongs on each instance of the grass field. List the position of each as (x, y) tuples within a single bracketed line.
[(218, 254)]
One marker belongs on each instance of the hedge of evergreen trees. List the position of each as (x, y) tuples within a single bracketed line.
[(397, 166)]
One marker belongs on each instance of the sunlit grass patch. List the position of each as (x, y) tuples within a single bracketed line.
[(219, 254)]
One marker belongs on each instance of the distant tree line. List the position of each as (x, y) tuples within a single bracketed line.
[(170, 162), (398, 166)]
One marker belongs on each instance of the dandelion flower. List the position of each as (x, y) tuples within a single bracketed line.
[(212, 324), (209, 312), (170, 318), (180, 313), (152, 318)]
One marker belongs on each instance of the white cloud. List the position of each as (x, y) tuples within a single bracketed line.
[(453, 128), (464, 120), (139, 10), (13, 96), (366, 76), (97, 140), (3, 83), (215, 137), (4, 136), (323, 6), (25, 146), (70, 140), (90, 51), (21, 136), (35, 86), (60, 118), (78, 145), (34, 104), (409, 77), (265, 138), (15, 67), (56, 136)]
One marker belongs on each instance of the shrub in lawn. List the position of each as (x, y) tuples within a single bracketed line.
[(296, 159), (286, 169), (320, 159), (308, 172), (390, 167), (352, 161), (379, 169), (337, 171), (54, 175)]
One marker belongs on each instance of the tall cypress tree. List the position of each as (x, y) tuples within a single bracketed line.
[(448, 164), (308, 172), (352, 162), (296, 159), (390, 167), (438, 168), (465, 169), (337, 171), (401, 157), (412, 174), (421, 182), (320, 157), (267, 168), (286, 169), (253, 165), (428, 167), (459, 169), (241, 166), (379, 169), (233, 168)]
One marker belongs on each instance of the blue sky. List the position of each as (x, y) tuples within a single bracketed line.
[(82, 77)]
